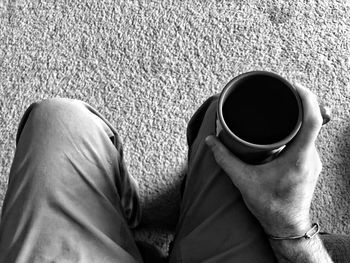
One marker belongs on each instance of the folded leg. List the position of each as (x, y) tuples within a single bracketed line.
[(214, 225), (69, 197)]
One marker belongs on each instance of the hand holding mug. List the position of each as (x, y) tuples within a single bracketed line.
[(279, 192)]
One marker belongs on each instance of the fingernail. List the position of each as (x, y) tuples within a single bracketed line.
[(326, 113), (209, 140)]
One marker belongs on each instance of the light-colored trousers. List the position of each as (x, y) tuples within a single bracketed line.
[(70, 198)]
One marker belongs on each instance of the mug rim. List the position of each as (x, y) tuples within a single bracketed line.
[(277, 144)]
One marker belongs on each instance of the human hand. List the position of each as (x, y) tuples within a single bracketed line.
[(279, 193)]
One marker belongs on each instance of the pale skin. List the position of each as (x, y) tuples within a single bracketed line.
[(279, 193)]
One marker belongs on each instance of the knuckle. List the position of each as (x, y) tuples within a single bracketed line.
[(315, 115), (308, 163), (300, 166), (319, 165), (315, 119), (220, 159)]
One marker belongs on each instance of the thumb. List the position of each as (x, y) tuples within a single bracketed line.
[(233, 166)]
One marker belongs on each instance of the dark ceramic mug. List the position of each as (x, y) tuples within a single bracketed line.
[(258, 114)]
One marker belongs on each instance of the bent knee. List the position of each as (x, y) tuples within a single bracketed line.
[(58, 105), (62, 117), (54, 114), (62, 109)]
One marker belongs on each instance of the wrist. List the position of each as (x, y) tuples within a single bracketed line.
[(288, 227), (300, 250), (312, 232), (289, 250)]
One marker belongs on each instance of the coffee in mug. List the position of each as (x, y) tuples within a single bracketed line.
[(258, 114)]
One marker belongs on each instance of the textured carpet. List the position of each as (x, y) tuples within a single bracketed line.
[(147, 66)]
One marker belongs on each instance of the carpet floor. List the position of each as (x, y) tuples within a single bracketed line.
[(148, 65)]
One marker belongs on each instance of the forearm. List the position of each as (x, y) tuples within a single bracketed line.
[(301, 251)]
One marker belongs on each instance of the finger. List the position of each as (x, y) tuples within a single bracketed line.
[(233, 166), (326, 113), (312, 119), (317, 163)]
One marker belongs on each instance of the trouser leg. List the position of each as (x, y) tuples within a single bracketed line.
[(338, 246), (214, 225), (69, 197)]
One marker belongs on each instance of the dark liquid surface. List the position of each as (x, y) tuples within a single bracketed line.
[(261, 110)]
